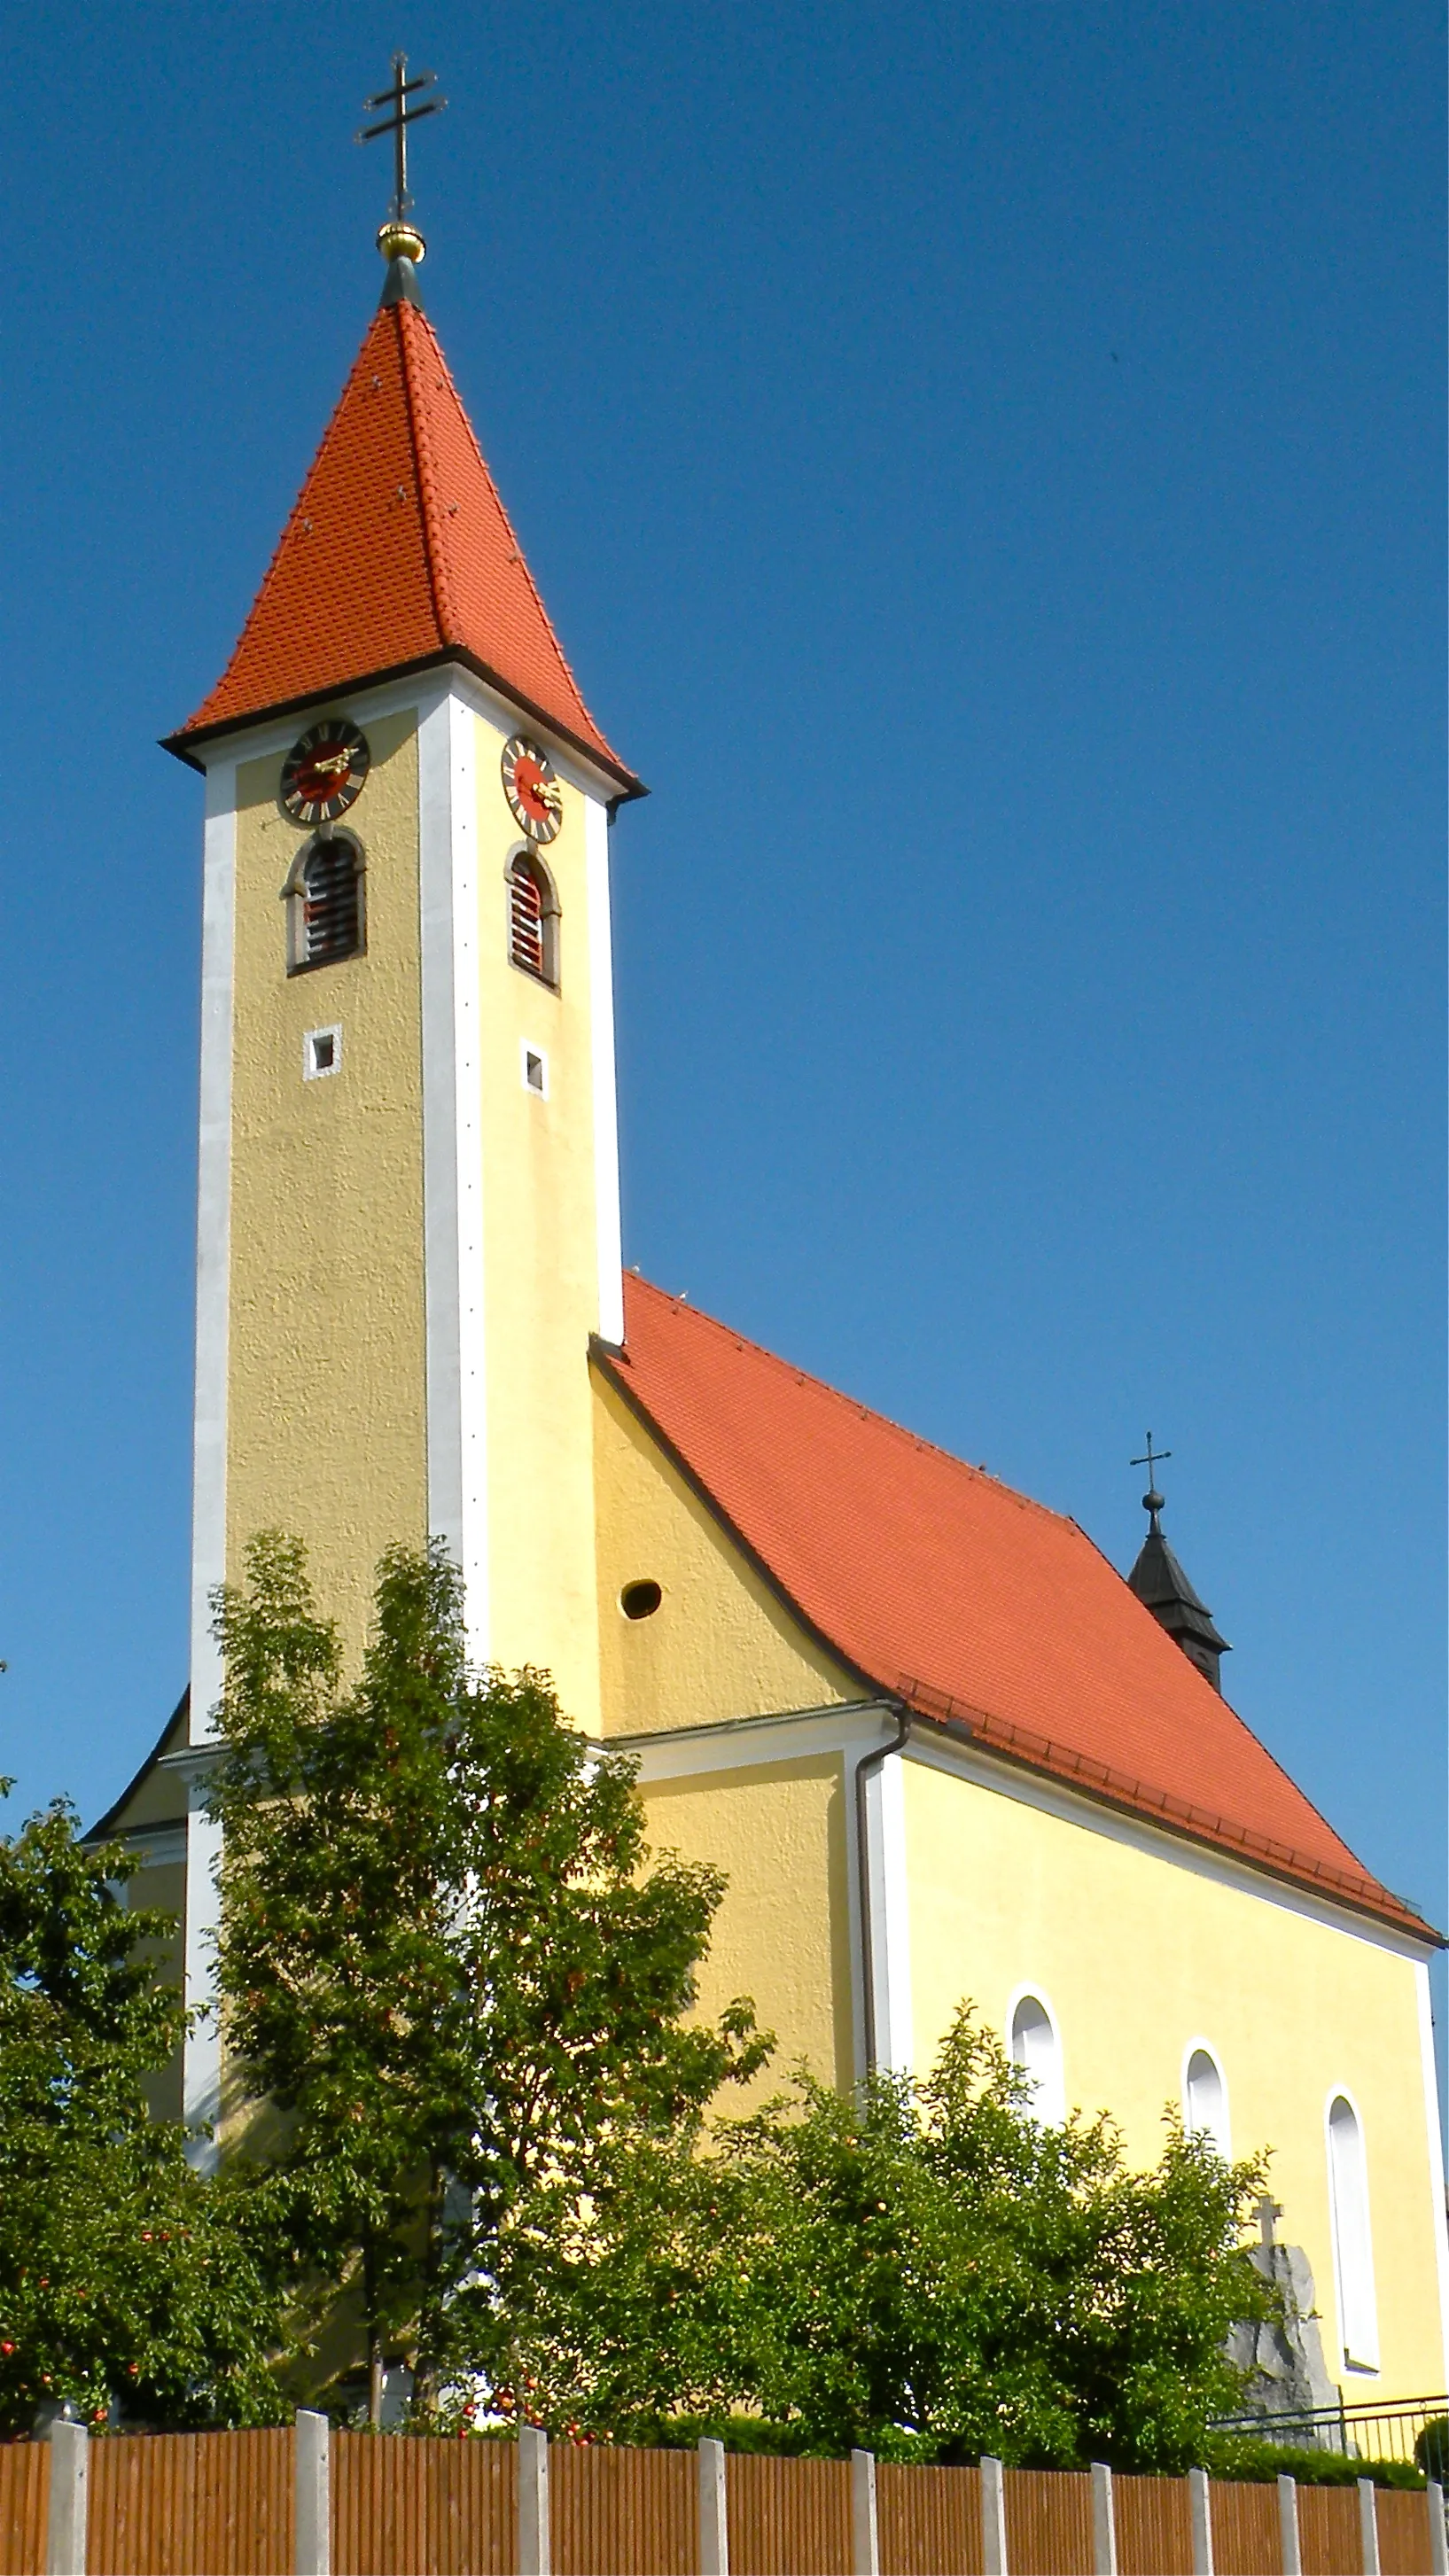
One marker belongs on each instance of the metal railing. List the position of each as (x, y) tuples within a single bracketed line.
[(1388, 2430)]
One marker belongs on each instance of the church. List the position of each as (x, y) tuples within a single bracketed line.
[(940, 1748)]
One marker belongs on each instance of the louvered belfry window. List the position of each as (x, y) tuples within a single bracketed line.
[(331, 924), (532, 920)]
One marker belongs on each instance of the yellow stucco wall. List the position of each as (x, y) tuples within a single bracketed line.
[(720, 1644), (1137, 1954), (326, 1393), (541, 1281), (782, 1934)]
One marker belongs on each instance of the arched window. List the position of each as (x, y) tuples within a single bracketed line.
[(324, 904), (532, 918), (1353, 2253), (1036, 2049), (1205, 2097)]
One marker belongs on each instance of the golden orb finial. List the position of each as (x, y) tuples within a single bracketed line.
[(398, 239)]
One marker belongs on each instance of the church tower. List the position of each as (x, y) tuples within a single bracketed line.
[(408, 1220)]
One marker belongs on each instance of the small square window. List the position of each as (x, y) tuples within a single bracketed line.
[(535, 1070), (321, 1053)]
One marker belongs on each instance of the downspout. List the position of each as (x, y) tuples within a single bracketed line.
[(869, 1763)]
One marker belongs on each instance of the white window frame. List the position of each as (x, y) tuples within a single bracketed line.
[(1050, 2097), (1221, 2134), (312, 1071), (1356, 2297), (527, 1049)]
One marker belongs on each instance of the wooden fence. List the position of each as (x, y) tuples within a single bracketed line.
[(310, 2502)]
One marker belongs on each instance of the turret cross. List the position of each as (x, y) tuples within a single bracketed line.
[(1151, 1500)]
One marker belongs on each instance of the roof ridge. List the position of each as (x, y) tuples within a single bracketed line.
[(520, 557), (448, 622), (868, 1412)]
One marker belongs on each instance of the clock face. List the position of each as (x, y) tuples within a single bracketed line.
[(531, 789), (325, 772)]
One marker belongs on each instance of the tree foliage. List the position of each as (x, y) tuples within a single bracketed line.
[(924, 2270), (448, 1962), (125, 2277)]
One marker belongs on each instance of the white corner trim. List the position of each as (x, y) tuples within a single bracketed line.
[(213, 1241), (452, 1149), (201, 2056), (890, 1922), (606, 1107), (1439, 2216), (201, 2077)]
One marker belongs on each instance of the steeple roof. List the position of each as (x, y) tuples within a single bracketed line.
[(398, 554)]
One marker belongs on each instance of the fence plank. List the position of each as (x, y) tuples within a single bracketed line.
[(1048, 2522), (190, 2504), (623, 2512), (791, 2514), (1403, 2532), (1328, 2531), (1154, 2526), (1246, 2537), (24, 2494), (929, 2520), (410, 2505)]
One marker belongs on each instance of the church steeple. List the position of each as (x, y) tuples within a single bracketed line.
[(399, 556), (1162, 1587)]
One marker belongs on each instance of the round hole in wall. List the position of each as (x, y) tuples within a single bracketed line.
[(640, 1600)]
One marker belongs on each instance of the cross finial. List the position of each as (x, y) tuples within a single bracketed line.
[(399, 239), (1152, 1501)]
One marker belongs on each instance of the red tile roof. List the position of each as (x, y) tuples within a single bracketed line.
[(983, 1610), (398, 552)]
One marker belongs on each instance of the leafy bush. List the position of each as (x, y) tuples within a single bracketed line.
[(1228, 2456), (1432, 2449), (925, 2270), (125, 2277)]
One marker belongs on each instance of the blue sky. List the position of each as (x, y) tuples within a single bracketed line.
[(985, 466)]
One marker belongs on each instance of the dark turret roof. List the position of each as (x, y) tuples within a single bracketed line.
[(1162, 1587)]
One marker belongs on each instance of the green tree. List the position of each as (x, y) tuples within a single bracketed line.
[(124, 2275), (925, 2270), (445, 1963)]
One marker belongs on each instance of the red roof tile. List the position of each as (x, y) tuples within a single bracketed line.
[(399, 551), (935, 1581)]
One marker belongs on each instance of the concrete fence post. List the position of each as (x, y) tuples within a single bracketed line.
[(65, 2537), (864, 2528), (714, 2511), (1438, 2540), (993, 2518), (1289, 2548), (1104, 2522), (312, 2495), (533, 2548), (1200, 2505), (1368, 2527)]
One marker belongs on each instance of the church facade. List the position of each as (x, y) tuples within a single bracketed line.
[(939, 1747)]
